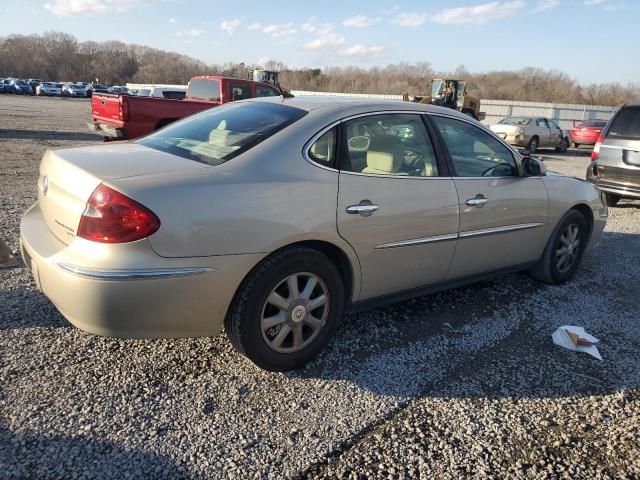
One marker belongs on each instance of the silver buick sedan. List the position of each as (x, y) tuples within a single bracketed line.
[(274, 217)]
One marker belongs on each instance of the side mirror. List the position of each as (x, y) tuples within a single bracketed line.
[(533, 167)]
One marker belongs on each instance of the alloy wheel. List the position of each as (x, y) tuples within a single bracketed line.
[(568, 248), (294, 312)]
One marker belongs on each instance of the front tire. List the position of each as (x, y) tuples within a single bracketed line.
[(287, 310), (563, 253)]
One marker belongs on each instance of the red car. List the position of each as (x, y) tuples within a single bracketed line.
[(587, 133)]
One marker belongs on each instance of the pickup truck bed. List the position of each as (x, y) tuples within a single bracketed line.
[(122, 116)]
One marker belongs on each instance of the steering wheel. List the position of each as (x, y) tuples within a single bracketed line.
[(487, 173)]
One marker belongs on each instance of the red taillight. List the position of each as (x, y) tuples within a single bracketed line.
[(123, 104), (596, 148), (111, 217)]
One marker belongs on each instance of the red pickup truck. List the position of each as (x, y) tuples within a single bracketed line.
[(123, 117)]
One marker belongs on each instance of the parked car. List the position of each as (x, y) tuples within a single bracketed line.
[(121, 118), (73, 90), (587, 132), (2, 85), (132, 240), (92, 88), (33, 83), (173, 93), (615, 166), (49, 89), (118, 90), (20, 87), (532, 133), (144, 92)]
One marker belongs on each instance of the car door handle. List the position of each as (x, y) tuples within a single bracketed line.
[(478, 201), (365, 208)]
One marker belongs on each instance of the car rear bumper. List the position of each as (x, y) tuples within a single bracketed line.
[(626, 189), (153, 297), (584, 140), (108, 130)]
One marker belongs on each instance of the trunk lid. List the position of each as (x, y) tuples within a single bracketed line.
[(68, 177)]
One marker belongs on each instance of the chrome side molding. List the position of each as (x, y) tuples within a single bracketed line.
[(132, 274)]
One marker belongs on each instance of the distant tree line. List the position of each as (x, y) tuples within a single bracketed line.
[(61, 57)]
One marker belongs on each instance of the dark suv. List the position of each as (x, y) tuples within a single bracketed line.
[(615, 166)]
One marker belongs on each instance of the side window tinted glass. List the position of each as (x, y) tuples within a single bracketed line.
[(626, 124), (240, 91), (323, 150), (265, 92), (541, 122), (474, 152), (393, 144)]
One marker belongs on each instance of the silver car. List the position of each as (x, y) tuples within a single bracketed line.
[(274, 217), (532, 133), (615, 166)]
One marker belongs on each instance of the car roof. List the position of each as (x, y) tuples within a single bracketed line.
[(335, 103)]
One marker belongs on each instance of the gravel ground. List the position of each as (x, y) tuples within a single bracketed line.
[(463, 383)]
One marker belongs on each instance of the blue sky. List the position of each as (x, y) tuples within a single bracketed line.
[(594, 41)]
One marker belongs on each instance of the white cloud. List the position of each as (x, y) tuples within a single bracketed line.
[(410, 19), (194, 32), (362, 51), (254, 26), (611, 7), (173, 20), (310, 26), (361, 21), (282, 30), (589, 3), (230, 25), (325, 41), (544, 5), (479, 14), (264, 60), (90, 7)]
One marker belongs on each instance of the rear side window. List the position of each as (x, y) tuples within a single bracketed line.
[(204, 89), (220, 134), (626, 124), (323, 150)]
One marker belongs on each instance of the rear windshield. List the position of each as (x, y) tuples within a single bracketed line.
[(204, 89), (626, 124), (593, 123), (515, 121), (222, 133)]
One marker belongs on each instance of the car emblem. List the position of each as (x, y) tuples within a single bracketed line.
[(45, 185)]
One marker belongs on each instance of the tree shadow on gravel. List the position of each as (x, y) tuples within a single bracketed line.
[(27, 455), (47, 135), (408, 349)]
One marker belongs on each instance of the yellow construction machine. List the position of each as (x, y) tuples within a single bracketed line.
[(450, 93)]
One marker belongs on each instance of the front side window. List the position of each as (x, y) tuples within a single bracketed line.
[(474, 152), (392, 144), (541, 122), (323, 150), (219, 134), (266, 91), (204, 89)]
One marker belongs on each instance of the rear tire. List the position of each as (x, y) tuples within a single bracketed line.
[(577, 145), (274, 319), (533, 145), (563, 252), (612, 200), (564, 146)]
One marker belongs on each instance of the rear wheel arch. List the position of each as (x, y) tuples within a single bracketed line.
[(334, 253)]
